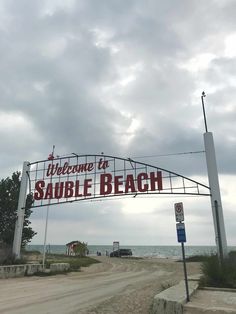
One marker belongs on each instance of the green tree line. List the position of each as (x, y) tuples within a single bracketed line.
[(9, 194)]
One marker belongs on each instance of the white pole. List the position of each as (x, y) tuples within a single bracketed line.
[(46, 225), (216, 204), (20, 211), (45, 236)]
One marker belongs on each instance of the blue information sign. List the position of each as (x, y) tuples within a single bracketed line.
[(180, 227)]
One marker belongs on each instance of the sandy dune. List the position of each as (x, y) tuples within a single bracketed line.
[(113, 286)]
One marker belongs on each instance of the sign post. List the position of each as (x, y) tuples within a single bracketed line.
[(181, 235)]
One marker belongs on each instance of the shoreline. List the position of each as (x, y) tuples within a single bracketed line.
[(158, 251)]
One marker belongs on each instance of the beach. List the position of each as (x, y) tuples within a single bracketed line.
[(116, 285)]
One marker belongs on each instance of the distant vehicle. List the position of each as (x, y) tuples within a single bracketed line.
[(121, 252)]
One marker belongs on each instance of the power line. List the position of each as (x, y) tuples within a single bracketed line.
[(172, 154)]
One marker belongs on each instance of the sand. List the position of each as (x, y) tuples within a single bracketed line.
[(116, 285)]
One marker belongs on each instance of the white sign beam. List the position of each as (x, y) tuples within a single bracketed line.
[(216, 204), (20, 211)]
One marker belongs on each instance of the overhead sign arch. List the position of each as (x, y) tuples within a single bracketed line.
[(75, 177), (86, 177)]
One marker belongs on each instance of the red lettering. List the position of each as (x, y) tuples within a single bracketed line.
[(65, 168), (82, 168), (90, 166), (77, 186), (87, 185), (38, 194), (144, 182), (49, 191), (69, 189), (59, 171), (69, 169), (117, 183), (129, 185), (51, 169), (74, 170), (140, 178), (156, 178), (105, 184), (59, 186)]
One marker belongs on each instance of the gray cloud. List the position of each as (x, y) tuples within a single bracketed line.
[(120, 78)]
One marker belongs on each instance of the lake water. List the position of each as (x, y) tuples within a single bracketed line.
[(174, 252)]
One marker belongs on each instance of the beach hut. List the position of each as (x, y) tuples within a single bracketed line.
[(76, 248)]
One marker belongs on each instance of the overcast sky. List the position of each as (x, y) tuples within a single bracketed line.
[(124, 78)]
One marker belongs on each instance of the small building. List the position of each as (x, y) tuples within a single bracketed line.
[(76, 248)]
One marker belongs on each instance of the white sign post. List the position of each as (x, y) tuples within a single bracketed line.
[(180, 228), (20, 212)]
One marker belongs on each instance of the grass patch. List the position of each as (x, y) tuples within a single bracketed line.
[(75, 262), (219, 275), (197, 258), (29, 253), (29, 257)]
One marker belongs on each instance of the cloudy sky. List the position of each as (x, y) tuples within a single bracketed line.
[(124, 78)]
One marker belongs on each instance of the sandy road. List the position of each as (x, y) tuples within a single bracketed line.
[(113, 286)]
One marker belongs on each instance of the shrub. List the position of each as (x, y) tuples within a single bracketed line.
[(80, 249), (5, 252), (216, 274)]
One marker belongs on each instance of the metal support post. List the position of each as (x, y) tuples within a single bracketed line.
[(216, 204), (185, 272), (203, 109)]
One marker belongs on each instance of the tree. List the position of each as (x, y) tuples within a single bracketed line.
[(80, 249), (9, 194)]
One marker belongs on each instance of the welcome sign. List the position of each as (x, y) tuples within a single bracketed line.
[(75, 180), (81, 177)]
